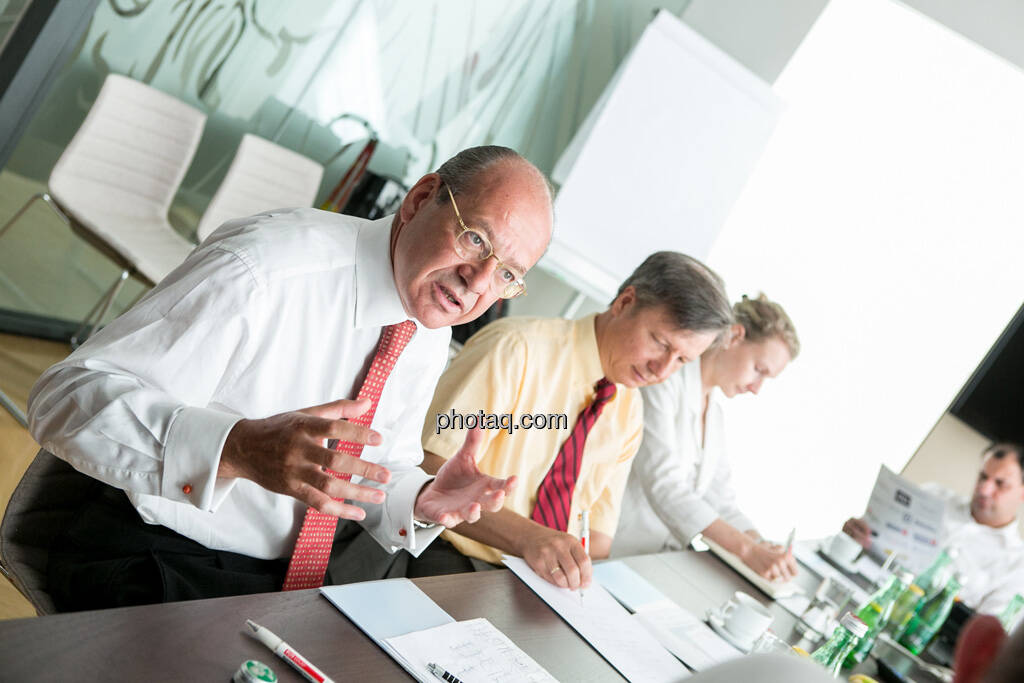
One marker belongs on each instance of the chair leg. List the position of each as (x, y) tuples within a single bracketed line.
[(24, 207), (103, 305), (13, 409)]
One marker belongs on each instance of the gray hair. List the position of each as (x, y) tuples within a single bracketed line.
[(690, 292), (461, 171)]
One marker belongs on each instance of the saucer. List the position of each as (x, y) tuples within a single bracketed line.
[(840, 564), (718, 626)]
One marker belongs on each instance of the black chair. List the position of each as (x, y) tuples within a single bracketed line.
[(47, 498)]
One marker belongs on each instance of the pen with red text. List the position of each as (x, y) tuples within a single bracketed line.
[(287, 653)]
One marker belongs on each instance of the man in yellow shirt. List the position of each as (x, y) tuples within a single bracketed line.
[(539, 380)]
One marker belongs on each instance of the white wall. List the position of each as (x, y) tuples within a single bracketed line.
[(761, 36), (949, 455), (885, 217)]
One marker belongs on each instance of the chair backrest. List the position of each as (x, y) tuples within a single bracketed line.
[(47, 498), (263, 176), (131, 152)]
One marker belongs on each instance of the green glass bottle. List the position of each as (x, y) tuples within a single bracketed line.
[(904, 609), (933, 579), (1009, 614), (875, 613), (833, 652), (929, 618), (925, 585)]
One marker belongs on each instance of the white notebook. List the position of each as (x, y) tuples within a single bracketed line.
[(415, 632), (772, 589)]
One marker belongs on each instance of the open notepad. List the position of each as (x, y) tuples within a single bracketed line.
[(410, 627), (772, 589)]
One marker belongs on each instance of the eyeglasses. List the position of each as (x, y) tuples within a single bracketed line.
[(473, 245)]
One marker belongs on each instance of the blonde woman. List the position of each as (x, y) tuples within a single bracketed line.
[(680, 483)]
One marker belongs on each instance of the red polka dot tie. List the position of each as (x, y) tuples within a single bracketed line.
[(313, 547), (554, 495)]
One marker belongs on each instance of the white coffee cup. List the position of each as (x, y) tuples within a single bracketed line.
[(745, 617), (843, 548)]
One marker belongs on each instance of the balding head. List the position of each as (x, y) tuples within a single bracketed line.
[(499, 195)]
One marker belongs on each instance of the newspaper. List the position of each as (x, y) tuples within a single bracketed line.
[(904, 519)]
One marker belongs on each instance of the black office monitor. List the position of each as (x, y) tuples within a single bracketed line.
[(992, 401)]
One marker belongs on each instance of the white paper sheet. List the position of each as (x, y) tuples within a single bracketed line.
[(686, 636), (608, 627), (904, 519), (683, 124), (473, 651)]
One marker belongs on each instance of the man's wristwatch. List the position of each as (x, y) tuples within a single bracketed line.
[(417, 524)]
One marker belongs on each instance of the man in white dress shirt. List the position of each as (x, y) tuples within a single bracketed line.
[(984, 529), (208, 402)]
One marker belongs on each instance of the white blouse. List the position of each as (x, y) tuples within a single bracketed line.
[(677, 486)]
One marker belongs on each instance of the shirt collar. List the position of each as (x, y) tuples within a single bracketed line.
[(694, 387), (587, 351), (377, 300), (1010, 533)]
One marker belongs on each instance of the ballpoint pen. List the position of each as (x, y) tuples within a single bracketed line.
[(584, 538), (442, 674), (287, 653), (789, 541)]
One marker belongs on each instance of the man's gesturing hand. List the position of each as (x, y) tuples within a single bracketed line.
[(460, 491), (285, 454)]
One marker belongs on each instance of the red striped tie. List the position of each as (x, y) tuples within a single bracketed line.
[(554, 495), (313, 547)]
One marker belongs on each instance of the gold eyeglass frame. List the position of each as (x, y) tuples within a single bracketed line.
[(490, 253)]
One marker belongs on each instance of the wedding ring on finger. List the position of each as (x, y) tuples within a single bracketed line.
[(556, 570)]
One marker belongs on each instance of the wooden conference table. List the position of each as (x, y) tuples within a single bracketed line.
[(203, 640)]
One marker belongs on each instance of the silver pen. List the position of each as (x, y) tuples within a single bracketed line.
[(584, 539), (442, 674)]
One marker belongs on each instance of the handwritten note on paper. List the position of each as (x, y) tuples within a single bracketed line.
[(472, 651), (608, 627)]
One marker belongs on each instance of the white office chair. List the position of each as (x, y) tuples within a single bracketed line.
[(114, 183), (262, 176)]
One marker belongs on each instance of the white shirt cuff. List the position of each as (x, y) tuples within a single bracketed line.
[(396, 530), (192, 455)]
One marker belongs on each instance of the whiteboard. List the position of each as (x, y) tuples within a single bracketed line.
[(660, 160)]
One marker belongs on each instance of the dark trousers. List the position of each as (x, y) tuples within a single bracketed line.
[(356, 556), (109, 557)]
